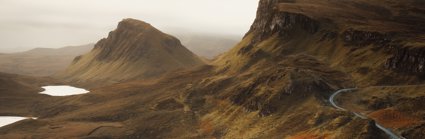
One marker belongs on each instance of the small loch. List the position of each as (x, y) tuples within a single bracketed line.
[(63, 90), (7, 120)]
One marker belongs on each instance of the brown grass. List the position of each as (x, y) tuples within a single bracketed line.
[(394, 119), (309, 136), (207, 126)]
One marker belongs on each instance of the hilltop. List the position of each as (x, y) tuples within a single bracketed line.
[(135, 50)]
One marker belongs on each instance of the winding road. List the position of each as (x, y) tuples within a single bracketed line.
[(389, 132)]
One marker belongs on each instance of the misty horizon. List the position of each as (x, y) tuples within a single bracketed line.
[(53, 24)]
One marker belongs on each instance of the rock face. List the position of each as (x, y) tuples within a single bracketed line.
[(270, 20), (134, 50), (408, 60), (365, 38)]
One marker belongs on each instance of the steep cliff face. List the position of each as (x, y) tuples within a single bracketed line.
[(134, 50), (270, 20), (343, 33), (263, 41)]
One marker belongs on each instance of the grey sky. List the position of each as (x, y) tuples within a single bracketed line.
[(26, 24)]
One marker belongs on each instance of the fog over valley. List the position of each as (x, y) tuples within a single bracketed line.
[(27, 24)]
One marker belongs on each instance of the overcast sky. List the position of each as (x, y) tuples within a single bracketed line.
[(27, 24)]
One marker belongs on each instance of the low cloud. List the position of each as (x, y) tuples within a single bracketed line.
[(52, 23)]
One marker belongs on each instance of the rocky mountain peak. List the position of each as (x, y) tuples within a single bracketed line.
[(133, 24), (130, 25), (134, 50), (270, 19), (132, 39)]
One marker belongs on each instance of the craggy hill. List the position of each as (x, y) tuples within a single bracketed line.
[(135, 50), (275, 83)]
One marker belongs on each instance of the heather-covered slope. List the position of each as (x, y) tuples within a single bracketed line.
[(135, 50)]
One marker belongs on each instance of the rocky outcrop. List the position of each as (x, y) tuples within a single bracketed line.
[(295, 78), (364, 38), (168, 104), (407, 60), (269, 103), (270, 20)]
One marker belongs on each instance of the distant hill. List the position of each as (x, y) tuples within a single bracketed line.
[(41, 61), (7, 49), (208, 45), (135, 50)]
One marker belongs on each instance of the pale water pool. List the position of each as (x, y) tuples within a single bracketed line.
[(63, 90), (60, 90), (7, 120)]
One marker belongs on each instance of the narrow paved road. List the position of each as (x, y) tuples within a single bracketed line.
[(389, 132)]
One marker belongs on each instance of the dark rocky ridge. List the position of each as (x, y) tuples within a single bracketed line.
[(365, 38), (270, 20)]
